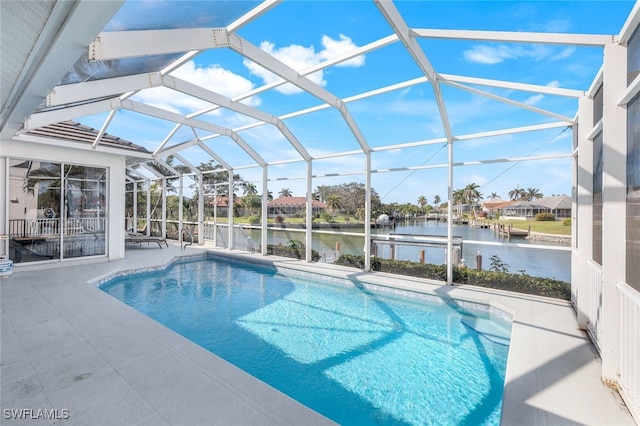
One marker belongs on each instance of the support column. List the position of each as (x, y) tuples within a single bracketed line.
[(4, 210), (614, 185), (309, 216), (582, 220), (180, 209), (367, 213), (450, 216), (265, 211), (230, 210), (215, 215), (148, 207), (200, 209), (135, 206), (164, 207)]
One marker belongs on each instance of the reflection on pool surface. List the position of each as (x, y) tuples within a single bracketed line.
[(356, 353)]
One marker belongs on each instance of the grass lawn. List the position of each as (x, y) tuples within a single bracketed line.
[(290, 220), (546, 227)]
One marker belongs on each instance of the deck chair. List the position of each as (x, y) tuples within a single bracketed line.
[(141, 238)]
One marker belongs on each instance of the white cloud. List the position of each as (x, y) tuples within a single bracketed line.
[(553, 83), (533, 100), (564, 54), (214, 78), (557, 26), (490, 55), (301, 57), (333, 48), (170, 100)]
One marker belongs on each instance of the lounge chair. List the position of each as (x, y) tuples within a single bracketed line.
[(140, 238)]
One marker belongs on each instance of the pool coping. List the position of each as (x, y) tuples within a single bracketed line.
[(65, 344)]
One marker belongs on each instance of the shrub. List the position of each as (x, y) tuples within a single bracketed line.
[(279, 219), (294, 249), (326, 217), (545, 217), (566, 222), (254, 220), (518, 282), (497, 265)]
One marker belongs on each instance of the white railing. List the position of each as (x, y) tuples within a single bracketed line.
[(630, 348), (29, 228), (574, 272), (216, 233), (594, 302)]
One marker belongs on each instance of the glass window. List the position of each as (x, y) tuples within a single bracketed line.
[(598, 105), (633, 58), (597, 199)]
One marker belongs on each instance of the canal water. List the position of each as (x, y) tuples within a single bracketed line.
[(533, 261)]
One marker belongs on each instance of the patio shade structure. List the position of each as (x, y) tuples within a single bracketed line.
[(117, 67), (149, 85)]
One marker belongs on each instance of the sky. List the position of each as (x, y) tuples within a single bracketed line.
[(302, 34)]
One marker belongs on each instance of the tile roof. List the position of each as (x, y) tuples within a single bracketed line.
[(75, 132), (295, 202)]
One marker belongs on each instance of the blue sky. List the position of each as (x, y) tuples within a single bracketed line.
[(305, 33)]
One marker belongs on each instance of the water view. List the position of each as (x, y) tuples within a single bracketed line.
[(533, 261)]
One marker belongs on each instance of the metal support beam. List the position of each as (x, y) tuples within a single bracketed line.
[(510, 102), (200, 209), (535, 88), (230, 210), (450, 215), (309, 216), (517, 37), (367, 213), (400, 27), (103, 129), (265, 211)]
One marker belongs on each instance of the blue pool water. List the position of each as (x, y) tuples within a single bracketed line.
[(353, 352)]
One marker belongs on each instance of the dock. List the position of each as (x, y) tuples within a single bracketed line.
[(510, 231)]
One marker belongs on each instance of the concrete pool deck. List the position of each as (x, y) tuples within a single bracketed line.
[(69, 348)]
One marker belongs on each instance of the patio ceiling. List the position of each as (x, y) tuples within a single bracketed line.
[(94, 71)]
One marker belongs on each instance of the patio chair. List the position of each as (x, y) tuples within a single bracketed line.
[(141, 238)]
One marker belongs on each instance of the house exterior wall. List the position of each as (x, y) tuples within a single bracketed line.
[(62, 154), (607, 295)]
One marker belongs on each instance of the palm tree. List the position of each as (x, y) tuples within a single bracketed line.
[(250, 203), (533, 194), (494, 195), (471, 195), (249, 188), (458, 196), (333, 203), (422, 202), (285, 192), (436, 201), (517, 194)]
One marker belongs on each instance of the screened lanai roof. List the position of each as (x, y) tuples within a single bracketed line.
[(279, 84)]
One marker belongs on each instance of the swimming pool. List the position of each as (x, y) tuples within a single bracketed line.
[(357, 353)]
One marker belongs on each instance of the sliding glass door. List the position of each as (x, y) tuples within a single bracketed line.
[(56, 211)]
